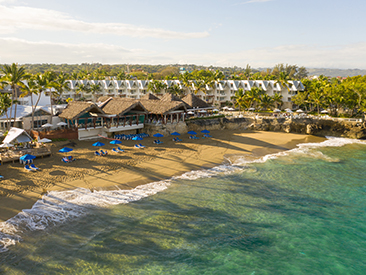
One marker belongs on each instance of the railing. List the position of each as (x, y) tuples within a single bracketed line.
[(90, 123), (14, 155)]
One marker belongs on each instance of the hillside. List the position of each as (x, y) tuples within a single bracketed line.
[(335, 72)]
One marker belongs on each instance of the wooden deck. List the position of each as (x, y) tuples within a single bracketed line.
[(12, 156)]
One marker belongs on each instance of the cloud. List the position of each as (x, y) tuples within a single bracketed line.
[(21, 17), (23, 51)]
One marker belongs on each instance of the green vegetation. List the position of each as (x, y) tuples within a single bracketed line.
[(340, 96), (346, 96)]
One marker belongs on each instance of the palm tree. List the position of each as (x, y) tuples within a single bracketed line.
[(95, 88), (156, 86), (186, 80), (34, 87), (82, 88), (316, 95), (5, 103), (241, 100), (60, 84), (277, 100), (254, 95), (199, 86), (14, 77), (175, 90), (266, 101), (283, 80)]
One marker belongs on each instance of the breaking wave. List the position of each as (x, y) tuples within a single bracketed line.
[(60, 206)]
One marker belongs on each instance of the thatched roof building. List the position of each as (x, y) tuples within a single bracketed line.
[(163, 108), (170, 97), (195, 102), (121, 106), (75, 109), (103, 98), (150, 96)]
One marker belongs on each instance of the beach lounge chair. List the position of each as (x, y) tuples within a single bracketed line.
[(178, 139), (34, 167), (141, 146), (119, 149), (115, 150), (104, 153), (28, 168), (137, 146), (97, 153), (1, 177), (70, 158), (65, 159)]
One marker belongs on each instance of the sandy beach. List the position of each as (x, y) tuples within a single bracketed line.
[(21, 189)]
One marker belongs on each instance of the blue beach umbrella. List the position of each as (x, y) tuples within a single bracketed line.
[(175, 134), (137, 138), (205, 131), (116, 141), (27, 157), (65, 150), (192, 133), (98, 144), (158, 135)]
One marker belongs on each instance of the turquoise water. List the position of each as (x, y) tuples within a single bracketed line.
[(300, 213)]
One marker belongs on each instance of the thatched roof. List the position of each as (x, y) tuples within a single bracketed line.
[(193, 101), (169, 97), (77, 108), (120, 106), (150, 96), (103, 98), (159, 107)]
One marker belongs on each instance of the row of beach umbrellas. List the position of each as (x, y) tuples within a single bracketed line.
[(115, 141)]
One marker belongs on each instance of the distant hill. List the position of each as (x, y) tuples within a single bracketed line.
[(335, 72)]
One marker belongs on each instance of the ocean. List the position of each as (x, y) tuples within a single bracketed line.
[(297, 212)]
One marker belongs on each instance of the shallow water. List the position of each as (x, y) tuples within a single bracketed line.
[(299, 212)]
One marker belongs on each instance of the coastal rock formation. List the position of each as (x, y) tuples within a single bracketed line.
[(310, 126)]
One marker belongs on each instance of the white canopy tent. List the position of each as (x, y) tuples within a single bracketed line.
[(17, 135)]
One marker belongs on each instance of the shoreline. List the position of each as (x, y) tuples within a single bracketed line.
[(135, 166)]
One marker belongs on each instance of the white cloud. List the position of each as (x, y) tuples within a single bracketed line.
[(22, 51), (20, 17)]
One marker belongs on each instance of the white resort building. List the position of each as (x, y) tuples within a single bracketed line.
[(219, 95)]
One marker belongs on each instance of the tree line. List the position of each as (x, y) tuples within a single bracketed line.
[(338, 95)]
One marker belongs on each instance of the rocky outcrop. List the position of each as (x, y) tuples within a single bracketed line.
[(336, 128)]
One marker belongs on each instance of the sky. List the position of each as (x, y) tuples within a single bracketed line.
[(261, 33)]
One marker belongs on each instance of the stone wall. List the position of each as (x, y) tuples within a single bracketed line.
[(348, 129)]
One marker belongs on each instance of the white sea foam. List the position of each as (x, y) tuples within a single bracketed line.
[(60, 206)]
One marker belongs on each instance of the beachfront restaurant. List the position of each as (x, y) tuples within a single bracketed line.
[(164, 111), (110, 117), (196, 106)]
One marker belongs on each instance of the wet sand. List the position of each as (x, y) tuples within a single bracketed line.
[(21, 189)]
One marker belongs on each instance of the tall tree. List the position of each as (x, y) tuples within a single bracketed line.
[(14, 77), (82, 88), (241, 100), (95, 88), (175, 90), (266, 101), (156, 86), (34, 87), (5, 103)]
